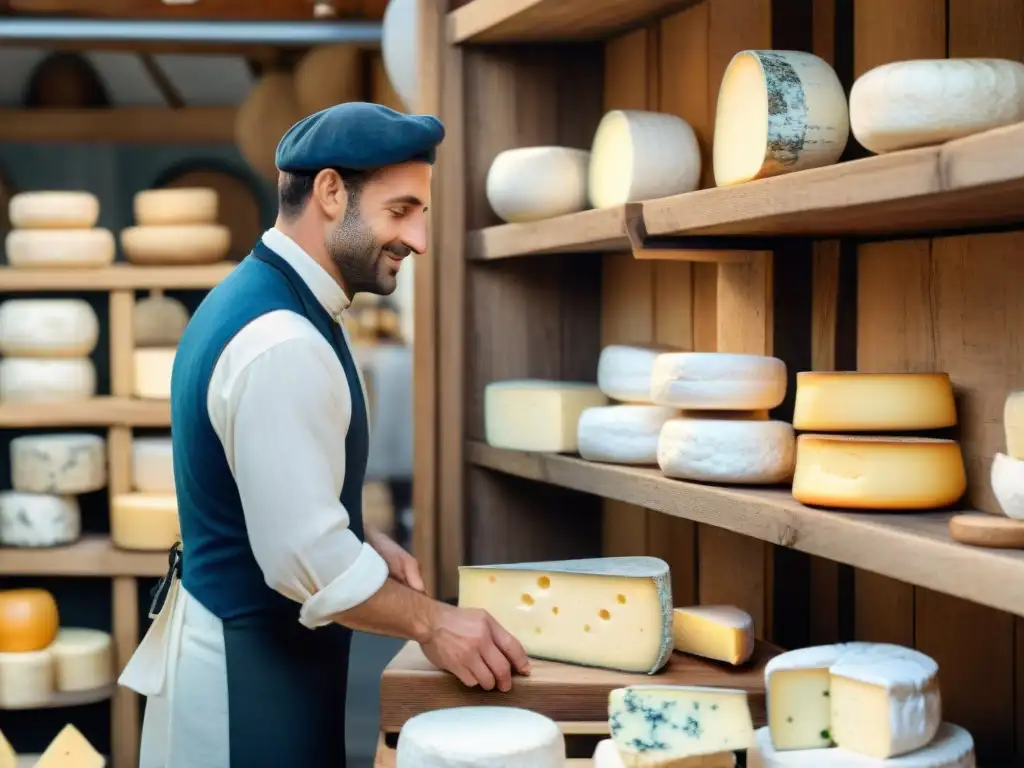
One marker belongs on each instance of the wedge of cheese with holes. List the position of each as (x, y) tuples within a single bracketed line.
[(883, 402), (778, 112), (68, 463), (718, 381), (712, 450), (54, 210), (36, 380), (48, 328), (537, 414), (1013, 424), (651, 723), (534, 183), (921, 102), (71, 750), (60, 248), (1007, 480), (622, 434), (607, 755), (28, 620), (38, 519), (861, 472), (624, 371), (720, 632), (611, 612)]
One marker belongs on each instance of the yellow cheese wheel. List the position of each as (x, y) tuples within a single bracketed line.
[(183, 205), (83, 659), (329, 75), (144, 521), (152, 372), (28, 620), (60, 248), (267, 113), (54, 210), (26, 679), (176, 244)]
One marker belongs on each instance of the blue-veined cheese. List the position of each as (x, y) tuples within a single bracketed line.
[(607, 755), (38, 519), (58, 463)]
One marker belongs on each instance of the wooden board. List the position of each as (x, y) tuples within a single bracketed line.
[(411, 685), (95, 412), (91, 555), (113, 278), (133, 125)]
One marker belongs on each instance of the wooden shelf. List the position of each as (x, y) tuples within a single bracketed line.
[(91, 555), (119, 277), (95, 412), (73, 698), (600, 230), (914, 548), (134, 125), (520, 21)]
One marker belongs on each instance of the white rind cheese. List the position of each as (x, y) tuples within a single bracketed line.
[(38, 380), (611, 612), (83, 659), (622, 434), (778, 112), (1008, 485), (26, 679), (534, 183), (1013, 424), (158, 321), (884, 402), (720, 632), (60, 248), (639, 155), (727, 451), (176, 244), (144, 521), (624, 371), (181, 205), (607, 755), (536, 414), (464, 737), (921, 102), (54, 210), (151, 368), (38, 519), (718, 381), (58, 463), (153, 465), (48, 328)]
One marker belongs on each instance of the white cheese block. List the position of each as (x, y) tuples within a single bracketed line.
[(624, 371), (867, 472), (778, 112), (158, 320), (720, 632), (607, 755), (26, 679), (718, 381), (176, 244), (916, 103), (656, 722), (611, 612), (534, 183), (1008, 485), (37, 380), (1013, 424), (38, 519), (884, 402), (727, 451), (151, 368), (181, 205), (467, 737), (622, 434), (536, 414), (640, 155), (83, 659), (54, 210), (58, 463), (60, 248), (48, 328), (144, 521), (152, 465)]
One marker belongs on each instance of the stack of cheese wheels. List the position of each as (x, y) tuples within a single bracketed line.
[(176, 226), (625, 433), (872, 471), (857, 705), (57, 230), (537, 414), (724, 434), (147, 518)]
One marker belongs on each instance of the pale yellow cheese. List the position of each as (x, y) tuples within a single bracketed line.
[(60, 248), (883, 473), (144, 521), (608, 756), (153, 464), (8, 758), (537, 415), (881, 402), (26, 679), (54, 210), (83, 659), (720, 632), (180, 205), (176, 244), (1013, 424), (71, 750), (152, 367)]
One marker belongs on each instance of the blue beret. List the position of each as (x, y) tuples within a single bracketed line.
[(359, 136)]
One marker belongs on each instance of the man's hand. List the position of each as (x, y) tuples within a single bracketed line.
[(402, 566)]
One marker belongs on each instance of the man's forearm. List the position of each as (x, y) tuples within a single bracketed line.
[(394, 610)]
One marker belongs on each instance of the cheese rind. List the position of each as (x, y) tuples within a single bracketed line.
[(38, 519), (718, 381), (58, 463), (158, 321), (26, 679), (28, 620), (83, 659), (624, 371), (54, 210), (720, 632), (622, 434), (536, 414), (727, 451), (476, 736), (610, 612), (153, 465), (883, 402), (144, 521), (37, 380), (151, 368), (878, 472), (70, 750), (60, 248), (607, 755), (180, 205), (48, 328), (1013, 424), (1007, 480), (176, 244), (534, 183)]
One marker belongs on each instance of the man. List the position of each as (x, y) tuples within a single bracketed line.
[(246, 663)]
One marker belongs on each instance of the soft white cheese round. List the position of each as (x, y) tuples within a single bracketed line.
[(718, 381), (727, 451), (58, 463), (534, 183), (1008, 485), (54, 210), (38, 519), (48, 328), (39, 380), (622, 434), (624, 371), (60, 248)]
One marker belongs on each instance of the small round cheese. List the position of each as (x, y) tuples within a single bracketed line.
[(54, 210), (478, 736), (60, 248), (83, 659), (152, 372), (534, 183), (58, 463), (48, 328), (1008, 485), (727, 451), (882, 402), (38, 519), (38, 380), (622, 434), (718, 381), (28, 620), (26, 679), (624, 371), (640, 155), (153, 465), (180, 205), (159, 320), (176, 244), (860, 472), (921, 102), (144, 521)]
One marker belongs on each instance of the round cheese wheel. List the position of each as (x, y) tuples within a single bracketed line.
[(152, 372), (329, 75), (878, 473), (48, 328), (37, 380), (264, 117), (38, 519), (183, 205), (158, 320), (640, 155), (54, 210), (727, 451), (28, 620), (624, 371), (916, 103), (400, 49), (534, 183), (60, 248), (622, 434), (778, 112), (176, 244), (144, 521), (153, 465), (848, 401), (63, 464), (83, 659), (718, 381), (1007, 480), (26, 679)]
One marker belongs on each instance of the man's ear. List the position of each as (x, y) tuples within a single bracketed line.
[(329, 193)]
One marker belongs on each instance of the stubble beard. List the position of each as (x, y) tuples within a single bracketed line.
[(356, 253)]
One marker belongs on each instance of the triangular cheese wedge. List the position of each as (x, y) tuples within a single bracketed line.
[(71, 750), (7, 757)]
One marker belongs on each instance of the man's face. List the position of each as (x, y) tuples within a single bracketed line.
[(380, 227)]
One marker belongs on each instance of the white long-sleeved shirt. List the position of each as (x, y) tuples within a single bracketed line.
[(280, 403)]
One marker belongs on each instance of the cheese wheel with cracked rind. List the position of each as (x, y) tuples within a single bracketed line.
[(38, 519), (144, 521), (534, 183), (607, 755), (60, 248), (48, 328), (622, 434), (29, 620), (83, 659), (179, 205), (70, 463), (1007, 478), (153, 465), (624, 370), (152, 368), (39, 380), (718, 381), (878, 473), (54, 210), (176, 244), (727, 451)]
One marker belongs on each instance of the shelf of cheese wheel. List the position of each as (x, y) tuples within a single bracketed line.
[(146, 519), (70, 749)]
